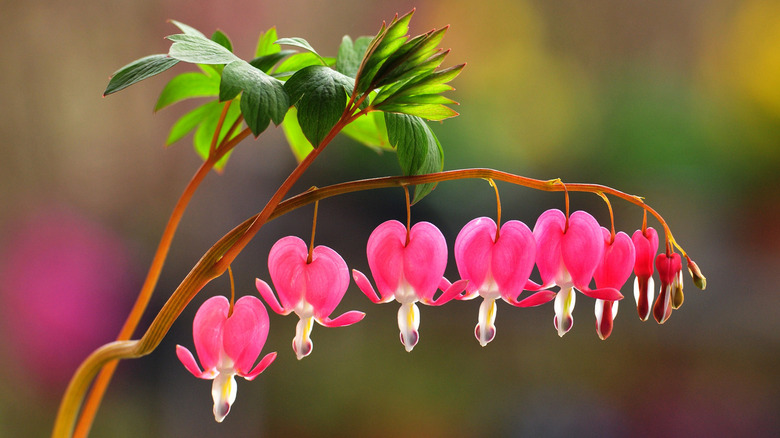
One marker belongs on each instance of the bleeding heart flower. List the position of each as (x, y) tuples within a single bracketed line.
[(410, 268), (227, 345), (310, 288), (494, 267), (567, 256), (646, 245), (671, 294), (613, 271)]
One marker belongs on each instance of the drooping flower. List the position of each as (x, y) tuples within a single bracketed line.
[(671, 294), (227, 345), (646, 245), (310, 288), (616, 265), (567, 254), (407, 268), (494, 268)]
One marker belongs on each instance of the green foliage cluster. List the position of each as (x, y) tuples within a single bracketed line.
[(377, 90)]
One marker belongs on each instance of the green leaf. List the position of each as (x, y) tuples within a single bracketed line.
[(185, 86), (417, 148), (350, 54), (297, 62), (137, 71), (369, 129), (382, 46), (266, 62), (266, 44), (188, 30), (320, 94), (204, 135), (301, 43), (299, 145), (428, 112), (264, 98), (199, 50), (189, 121), (220, 38)]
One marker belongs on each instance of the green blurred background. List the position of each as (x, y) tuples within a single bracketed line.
[(675, 101)]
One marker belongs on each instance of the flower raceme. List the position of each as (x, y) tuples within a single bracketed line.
[(568, 253), (616, 265), (310, 287), (227, 345), (408, 266), (496, 265)]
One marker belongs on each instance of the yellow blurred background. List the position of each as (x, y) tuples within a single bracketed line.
[(676, 101)]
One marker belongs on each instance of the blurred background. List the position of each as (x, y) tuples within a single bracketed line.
[(676, 101)]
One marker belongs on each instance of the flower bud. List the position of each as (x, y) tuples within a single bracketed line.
[(698, 278)]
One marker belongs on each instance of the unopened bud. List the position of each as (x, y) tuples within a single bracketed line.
[(677, 292), (698, 278)]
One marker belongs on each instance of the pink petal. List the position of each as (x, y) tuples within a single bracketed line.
[(188, 360), (345, 319), (327, 279), (668, 267), (581, 248), (548, 233), (261, 366), (513, 258), (617, 261), (606, 293), (285, 264), (421, 263), (646, 246), (385, 256), (365, 286), (425, 259), (605, 318), (452, 292), (269, 297), (473, 251), (207, 328), (536, 299), (245, 333)]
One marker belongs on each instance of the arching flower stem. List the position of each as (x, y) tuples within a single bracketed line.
[(98, 389), (218, 257)]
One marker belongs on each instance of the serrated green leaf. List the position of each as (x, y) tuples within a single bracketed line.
[(369, 130), (204, 135), (220, 38), (189, 121), (417, 148), (266, 43), (299, 145), (185, 86), (382, 46), (266, 62), (350, 54), (189, 30), (263, 99), (320, 95), (137, 71), (199, 50)]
